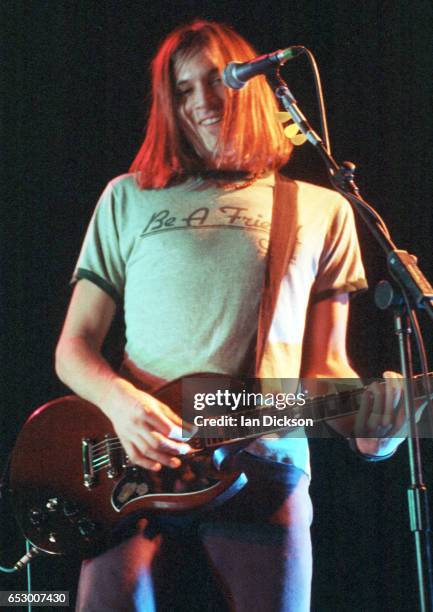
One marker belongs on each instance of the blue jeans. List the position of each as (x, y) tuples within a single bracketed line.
[(252, 554)]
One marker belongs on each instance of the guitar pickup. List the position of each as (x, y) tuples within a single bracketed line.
[(114, 455), (89, 478)]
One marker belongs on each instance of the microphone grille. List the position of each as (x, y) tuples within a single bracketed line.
[(229, 76)]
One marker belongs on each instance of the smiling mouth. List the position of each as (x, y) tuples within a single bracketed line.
[(210, 121)]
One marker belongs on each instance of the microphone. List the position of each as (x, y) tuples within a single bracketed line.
[(236, 74)]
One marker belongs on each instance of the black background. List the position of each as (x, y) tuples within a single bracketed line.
[(75, 86)]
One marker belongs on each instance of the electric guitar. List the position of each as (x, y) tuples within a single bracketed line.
[(71, 482)]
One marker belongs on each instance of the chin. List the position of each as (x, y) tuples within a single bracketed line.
[(208, 152)]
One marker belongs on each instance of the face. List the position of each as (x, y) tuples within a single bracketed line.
[(200, 101)]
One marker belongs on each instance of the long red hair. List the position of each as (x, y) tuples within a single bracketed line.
[(251, 139)]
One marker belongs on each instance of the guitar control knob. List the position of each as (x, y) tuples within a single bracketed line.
[(86, 527), (70, 509), (52, 504), (53, 537), (36, 516)]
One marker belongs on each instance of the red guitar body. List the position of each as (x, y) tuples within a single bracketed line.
[(71, 483)]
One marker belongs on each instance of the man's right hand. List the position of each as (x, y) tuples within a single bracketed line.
[(145, 426)]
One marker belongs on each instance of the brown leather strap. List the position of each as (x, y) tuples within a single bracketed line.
[(281, 248)]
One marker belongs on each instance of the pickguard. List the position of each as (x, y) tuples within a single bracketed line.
[(195, 475)]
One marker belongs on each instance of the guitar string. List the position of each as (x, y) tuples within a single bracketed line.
[(115, 444), (102, 460), (104, 441)]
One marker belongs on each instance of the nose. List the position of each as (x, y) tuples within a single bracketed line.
[(206, 96)]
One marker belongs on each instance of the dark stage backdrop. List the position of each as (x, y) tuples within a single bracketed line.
[(75, 86)]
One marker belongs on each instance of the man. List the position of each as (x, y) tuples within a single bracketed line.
[(181, 242)]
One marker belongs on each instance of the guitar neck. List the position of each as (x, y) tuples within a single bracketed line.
[(256, 421), (318, 409)]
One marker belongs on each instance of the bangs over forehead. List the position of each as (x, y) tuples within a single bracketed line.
[(184, 55), (224, 44)]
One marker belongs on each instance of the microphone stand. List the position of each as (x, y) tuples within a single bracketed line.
[(417, 293)]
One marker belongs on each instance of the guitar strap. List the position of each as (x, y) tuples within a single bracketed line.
[(282, 242)]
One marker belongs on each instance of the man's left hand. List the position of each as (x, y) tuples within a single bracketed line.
[(381, 424)]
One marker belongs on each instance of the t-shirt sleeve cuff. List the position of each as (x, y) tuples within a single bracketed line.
[(353, 288), (98, 281)]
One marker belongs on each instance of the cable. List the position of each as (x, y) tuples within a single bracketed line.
[(359, 200), (31, 553), (422, 357), (8, 570), (29, 577), (320, 99)]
